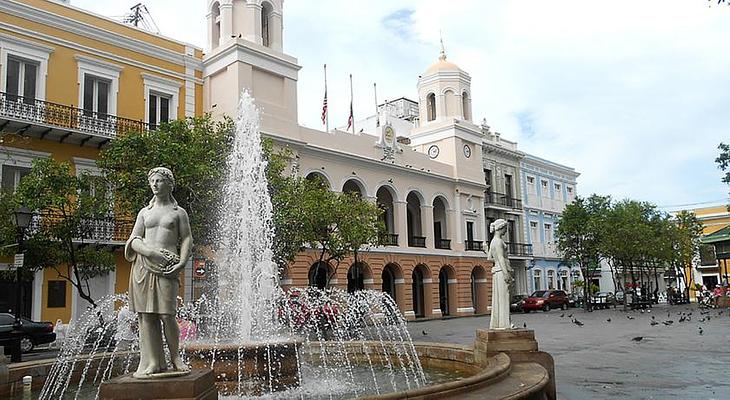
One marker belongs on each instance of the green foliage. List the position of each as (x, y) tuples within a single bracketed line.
[(723, 161), (194, 149), (67, 209)]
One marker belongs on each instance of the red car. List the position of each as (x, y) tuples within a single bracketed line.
[(545, 300)]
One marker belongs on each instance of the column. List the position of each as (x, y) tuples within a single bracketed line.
[(457, 219), (482, 223), (400, 219), (253, 23), (226, 22), (427, 225), (276, 28)]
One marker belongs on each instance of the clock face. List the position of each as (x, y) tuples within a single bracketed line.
[(467, 151), (389, 134), (433, 151)]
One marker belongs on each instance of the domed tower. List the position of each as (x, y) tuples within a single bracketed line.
[(444, 92), (245, 52)]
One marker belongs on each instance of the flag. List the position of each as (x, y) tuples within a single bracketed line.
[(324, 107), (349, 119)]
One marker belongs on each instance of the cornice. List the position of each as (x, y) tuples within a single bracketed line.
[(247, 52), (70, 25)]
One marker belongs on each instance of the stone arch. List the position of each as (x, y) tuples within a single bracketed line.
[(385, 198), (317, 174), (215, 26), (451, 104), (447, 290), (414, 202), (440, 222), (354, 185), (421, 291), (319, 274), (479, 294), (267, 10), (359, 276), (431, 106)]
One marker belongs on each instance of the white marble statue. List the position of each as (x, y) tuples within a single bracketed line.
[(502, 276), (153, 282)]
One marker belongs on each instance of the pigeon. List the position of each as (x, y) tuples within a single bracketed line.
[(667, 323), (649, 311), (570, 315), (652, 317), (682, 318), (524, 324), (709, 317), (638, 339), (630, 317), (608, 320), (575, 321), (719, 314), (562, 315), (700, 330), (642, 311), (653, 323), (424, 333)]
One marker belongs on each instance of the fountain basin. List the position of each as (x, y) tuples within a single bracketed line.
[(248, 368)]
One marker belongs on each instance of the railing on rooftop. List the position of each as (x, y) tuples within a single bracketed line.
[(67, 117)]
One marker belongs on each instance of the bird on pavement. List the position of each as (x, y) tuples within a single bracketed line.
[(524, 324), (575, 321), (652, 317), (708, 317), (570, 315), (562, 315), (630, 317), (608, 320), (638, 339), (424, 333), (653, 323), (667, 323), (700, 330)]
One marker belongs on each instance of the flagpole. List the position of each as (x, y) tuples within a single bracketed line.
[(327, 114), (377, 112), (352, 114)]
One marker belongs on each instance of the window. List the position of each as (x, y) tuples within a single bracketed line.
[(570, 190), (548, 233), (11, 176), (56, 294), (563, 282), (530, 184), (544, 186), (431, 106), (537, 279), (21, 80), (488, 178), (159, 110), (265, 15), (534, 237), (551, 279), (470, 231), (557, 187), (96, 96), (508, 185)]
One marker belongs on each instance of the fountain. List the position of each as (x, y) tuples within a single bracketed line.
[(259, 340)]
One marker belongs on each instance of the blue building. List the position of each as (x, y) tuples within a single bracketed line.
[(547, 187)]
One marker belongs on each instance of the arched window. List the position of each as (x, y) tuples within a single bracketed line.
[(265, 17), (465, 106), (431, 106), (318, 275), (215, 34)]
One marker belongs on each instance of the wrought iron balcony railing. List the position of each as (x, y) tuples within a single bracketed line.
[(474, 245), (502, 199), (519, 249), (443, 244), (102, 229), (34, 111), (390, 239), (417, 241)]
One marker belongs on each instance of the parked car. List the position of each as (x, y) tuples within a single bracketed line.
[(34, 333), (545, 300), (516, 303), (603, 300), (619, 297)]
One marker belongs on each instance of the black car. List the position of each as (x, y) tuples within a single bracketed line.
[(34, 333), (516, 302)]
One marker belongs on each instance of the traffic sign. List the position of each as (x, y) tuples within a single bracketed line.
[(18, 260)]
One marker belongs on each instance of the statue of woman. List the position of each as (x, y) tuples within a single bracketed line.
[(153, 282), (501, 276)]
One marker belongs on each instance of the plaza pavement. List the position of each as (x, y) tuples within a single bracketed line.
[(600, 360)]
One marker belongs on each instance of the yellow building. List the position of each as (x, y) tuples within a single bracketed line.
[(70, 82), (707, 270)]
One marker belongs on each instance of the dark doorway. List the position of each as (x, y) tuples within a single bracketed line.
[(417, 288), (8, 290), (389, 282), (355, 278), (318, 275), (444, 291)]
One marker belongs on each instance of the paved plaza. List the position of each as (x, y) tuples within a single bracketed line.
[(601, 359)]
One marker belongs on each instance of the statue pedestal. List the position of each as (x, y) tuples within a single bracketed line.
[(521, 347), (199, 384)]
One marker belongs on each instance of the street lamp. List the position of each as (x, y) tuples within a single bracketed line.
[(21, 219)]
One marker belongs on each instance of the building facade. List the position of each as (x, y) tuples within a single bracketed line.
[(547, 188), (708, 270), (70, 82)]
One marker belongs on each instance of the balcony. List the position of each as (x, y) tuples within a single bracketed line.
[(109, 230), (519, 249), (417, 241), (474, 245), (444, 244), (503, 200), (66, 124), (390, 239)]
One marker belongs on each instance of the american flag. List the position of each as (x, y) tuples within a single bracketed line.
[(349, 119), (324, 107)]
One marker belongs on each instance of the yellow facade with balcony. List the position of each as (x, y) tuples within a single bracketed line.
[(70, 82), (708, 270)]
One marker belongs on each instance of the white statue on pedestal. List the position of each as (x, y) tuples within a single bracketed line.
[(153, 282), (502, 276)]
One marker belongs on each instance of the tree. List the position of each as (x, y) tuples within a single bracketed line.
[(195, 149), (686, 240), (69, 209), (580, 233), (723, 161)]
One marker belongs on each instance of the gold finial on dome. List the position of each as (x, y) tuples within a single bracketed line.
[(442, 56)]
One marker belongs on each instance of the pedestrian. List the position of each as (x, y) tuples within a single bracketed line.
[(717, 293)]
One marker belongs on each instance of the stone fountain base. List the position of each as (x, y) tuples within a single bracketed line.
[(250, 368), (199, 384)]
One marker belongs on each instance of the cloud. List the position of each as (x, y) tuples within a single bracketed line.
[(631, 94)]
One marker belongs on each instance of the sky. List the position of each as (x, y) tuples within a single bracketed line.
[(635, 95)]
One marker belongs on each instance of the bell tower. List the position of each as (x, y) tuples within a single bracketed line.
[(245, 51), (444, 92)]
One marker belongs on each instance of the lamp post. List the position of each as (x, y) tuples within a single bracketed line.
[(21, 219)]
